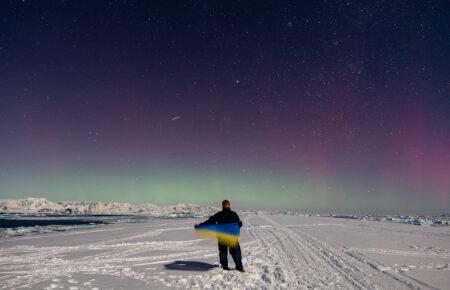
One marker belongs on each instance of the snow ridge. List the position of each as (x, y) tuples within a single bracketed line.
[(32, 205)]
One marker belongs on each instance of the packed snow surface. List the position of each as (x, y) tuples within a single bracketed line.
[(279, 252)]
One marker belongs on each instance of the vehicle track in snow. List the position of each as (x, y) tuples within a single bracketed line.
[(303, 264), (296, 259)]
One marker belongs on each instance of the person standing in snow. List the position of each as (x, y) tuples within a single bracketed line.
[(224, 217)]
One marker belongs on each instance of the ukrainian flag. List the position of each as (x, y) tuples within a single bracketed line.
[(226, 234)]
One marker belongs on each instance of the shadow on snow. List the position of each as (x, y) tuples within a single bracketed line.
[(189, 266)]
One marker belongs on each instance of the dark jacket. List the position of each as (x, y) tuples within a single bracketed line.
[(223, 217)]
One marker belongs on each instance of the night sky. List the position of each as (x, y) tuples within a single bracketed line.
[(331, 106)]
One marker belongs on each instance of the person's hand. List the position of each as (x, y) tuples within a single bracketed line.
[(240, 224)]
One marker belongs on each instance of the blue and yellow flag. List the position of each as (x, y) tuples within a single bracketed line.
[(226, 234)]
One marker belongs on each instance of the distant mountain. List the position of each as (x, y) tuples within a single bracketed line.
[(44, 206)]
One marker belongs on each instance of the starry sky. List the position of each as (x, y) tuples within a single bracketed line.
[(324, 106)]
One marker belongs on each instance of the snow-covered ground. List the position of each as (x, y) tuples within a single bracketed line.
[(279, 251)]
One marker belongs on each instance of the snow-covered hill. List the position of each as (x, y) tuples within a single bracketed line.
[(42, 205)]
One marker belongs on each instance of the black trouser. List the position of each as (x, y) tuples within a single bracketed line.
[(235, 253)]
